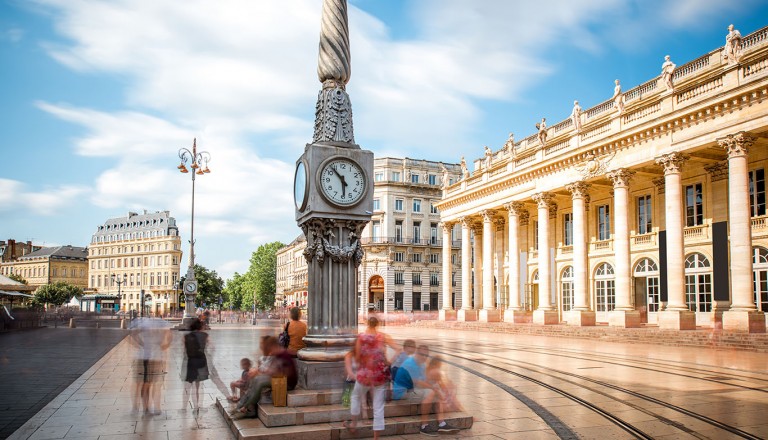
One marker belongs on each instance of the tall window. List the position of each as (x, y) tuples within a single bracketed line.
[(376, 231), (434, 279), (416, 232), (434, 258), (414, 178), (433, 234), (605, 288), (395, 176), (416, 258), (399, 257), (416, 205), (398, 204), (416, 277), (378, 177), (603, 222), (760, 277), (433, 209), (757, 192), (376, 204), (694, 205), (568, 229), (432, 179), (698, 283), (399, 278), (644, 223), (398, 231), (535, 235), (566, 288)]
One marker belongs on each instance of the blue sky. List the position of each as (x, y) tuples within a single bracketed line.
[(97, 97)]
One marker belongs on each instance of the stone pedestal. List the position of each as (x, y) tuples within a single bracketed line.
[(626, 318), (677, 320), (185, 324), (320, 375), (744, 321), (492, 315), (447, 315), (466, 315), (545, 317), (581, 318), (517, 316)]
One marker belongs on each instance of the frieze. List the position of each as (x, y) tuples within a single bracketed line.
[(320, 232), (717, 171)]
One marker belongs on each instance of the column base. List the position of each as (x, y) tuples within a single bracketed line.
[(466, 315), (744, 321), (581, 318), (677, 320), (320, 375), (447, 315), (517, 316), (492, 315), (626, 319), (545, 317)]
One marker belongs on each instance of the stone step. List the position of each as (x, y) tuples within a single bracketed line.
[(273, 416), (254, 429), (298, 398)]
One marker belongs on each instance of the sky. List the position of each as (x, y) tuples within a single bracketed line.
[(99, 96)]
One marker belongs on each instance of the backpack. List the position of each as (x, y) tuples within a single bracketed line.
[(284, 339)]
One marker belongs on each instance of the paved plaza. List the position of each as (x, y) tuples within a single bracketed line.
[(515, 386)]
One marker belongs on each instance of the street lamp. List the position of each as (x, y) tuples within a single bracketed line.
[(116, 279), (199, 165)]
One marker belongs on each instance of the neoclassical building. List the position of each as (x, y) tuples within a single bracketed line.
[(49, 265), (291, 274), (649, 207), (134, 257)]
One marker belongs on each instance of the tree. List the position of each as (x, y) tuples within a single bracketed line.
[(17, 277), (209, 286), (263, 270), (57, 293), (233, 291)]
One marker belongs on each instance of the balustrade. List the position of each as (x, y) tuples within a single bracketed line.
[(644, 240), (695, 233)]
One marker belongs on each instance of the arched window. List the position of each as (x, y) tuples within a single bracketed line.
[(760, 277), (605, 288), (698, 283), (647, 274), (566, 288), (646, 265)]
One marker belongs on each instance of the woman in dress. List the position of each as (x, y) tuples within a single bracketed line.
[(373, 374), (196, 368)]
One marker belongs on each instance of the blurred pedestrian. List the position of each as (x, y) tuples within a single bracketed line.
[(442, 393), (373, 374), (297, 329), (409, 348), (412, 375), (196, 368), (152, 342), (280, 363), (239, 387)]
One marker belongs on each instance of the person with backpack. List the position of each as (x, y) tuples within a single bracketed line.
[(293, 334)]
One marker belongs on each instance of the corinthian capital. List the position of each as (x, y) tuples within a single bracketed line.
[(466, 222), (543, 199), (488, 215), (672, 162), (620, 177), (578, 190), (737, 145), (514, 208), (447, 226)]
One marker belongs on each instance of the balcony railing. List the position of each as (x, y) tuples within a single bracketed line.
[(404, 240), (602, 245), (644, 240), (760, 226), (695, 233)]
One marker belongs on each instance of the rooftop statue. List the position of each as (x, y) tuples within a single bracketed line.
[(732, 47), (488, 157), (667, 70), (464, 169), (542, 127), (576, 116), (618, 98)]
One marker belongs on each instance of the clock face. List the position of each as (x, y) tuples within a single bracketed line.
[(191, 287), (300, 186), (342, 182)]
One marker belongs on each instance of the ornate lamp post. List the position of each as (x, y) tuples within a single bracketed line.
[(119, 283), (199, 165)]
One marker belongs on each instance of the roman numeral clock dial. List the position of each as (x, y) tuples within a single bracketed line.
[(342, 182)]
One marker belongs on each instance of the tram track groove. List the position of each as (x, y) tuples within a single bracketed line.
[(720, 425)]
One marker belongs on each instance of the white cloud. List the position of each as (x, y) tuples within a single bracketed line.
[(48, 202)]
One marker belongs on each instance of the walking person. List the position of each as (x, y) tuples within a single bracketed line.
[(196, 368), (373, 374)]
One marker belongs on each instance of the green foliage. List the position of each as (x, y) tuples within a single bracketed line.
[(257, 285), (209, 287), (57, 293), (17, 277)]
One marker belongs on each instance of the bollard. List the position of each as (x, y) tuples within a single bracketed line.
[(72, 323), (122, 323)]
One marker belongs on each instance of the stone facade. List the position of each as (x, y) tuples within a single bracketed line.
[(291, 274), (144, 250), (51, 264), (654, 214), (11, 249)]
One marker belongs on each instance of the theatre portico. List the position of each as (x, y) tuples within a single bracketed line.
[(648, 208)]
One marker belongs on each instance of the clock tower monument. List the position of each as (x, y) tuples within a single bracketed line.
[(334, 198)]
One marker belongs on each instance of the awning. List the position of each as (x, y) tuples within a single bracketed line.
[(24, 295)]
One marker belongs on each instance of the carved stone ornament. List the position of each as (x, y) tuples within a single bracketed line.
[(578, 190), (543, 199), (737, 145), (320, 232), (488, 215), (620, 177), (446, 226), (593, 165), (333, 117), (499, 222), (515, 208), (660, 184), (717, 171), (552, 210), (524, 216), (672, 162), (466, 222)]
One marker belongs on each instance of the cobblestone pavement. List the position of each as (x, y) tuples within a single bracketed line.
[(37, 365), (516, 387)]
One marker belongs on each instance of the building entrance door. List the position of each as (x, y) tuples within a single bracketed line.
[(376, 293), (760, 277), (647, 293)]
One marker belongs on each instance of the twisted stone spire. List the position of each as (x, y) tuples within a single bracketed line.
[(333, 62), (333, 113)]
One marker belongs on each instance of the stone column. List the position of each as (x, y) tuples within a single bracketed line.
[(466, 313), (447, 313), (743, 315), (488, 313), (676, 315), (514, 312), (624, 315), (581, 314), (545, 313), (478, 266)]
